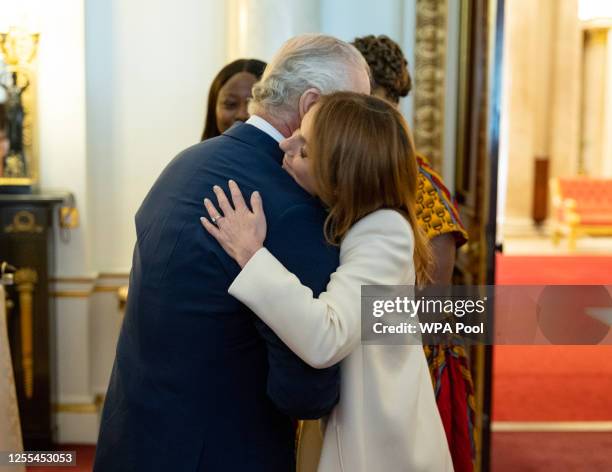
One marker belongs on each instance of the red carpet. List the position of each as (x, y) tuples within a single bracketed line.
[(554, 270), (553, 383), (558, 452)]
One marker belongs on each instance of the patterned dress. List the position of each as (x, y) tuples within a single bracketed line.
[(449, 365), (436, 209)]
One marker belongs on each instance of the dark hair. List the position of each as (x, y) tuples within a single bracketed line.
[(252, 66), (387, 63)]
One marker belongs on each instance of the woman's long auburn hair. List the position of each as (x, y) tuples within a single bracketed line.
[(364, 159)]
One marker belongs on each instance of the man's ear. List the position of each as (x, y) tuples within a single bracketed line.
[(307, 100)]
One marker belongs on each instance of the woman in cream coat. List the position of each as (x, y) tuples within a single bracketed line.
[(361, 164)]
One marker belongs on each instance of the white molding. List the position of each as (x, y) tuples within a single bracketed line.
[(449, 154), (79, 286), (74, 399)]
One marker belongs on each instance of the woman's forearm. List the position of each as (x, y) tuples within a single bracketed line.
[(320, 331)]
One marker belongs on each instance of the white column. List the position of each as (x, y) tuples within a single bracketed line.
[(607, 123), (519, 114), (593, 101), (62, 141), (566, 91)]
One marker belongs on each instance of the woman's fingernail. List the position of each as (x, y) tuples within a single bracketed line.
[(216, 187), (202, 219)]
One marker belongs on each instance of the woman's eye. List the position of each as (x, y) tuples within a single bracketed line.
[(230, 104)]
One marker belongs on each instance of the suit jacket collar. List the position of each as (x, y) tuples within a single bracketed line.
[(255, 137)]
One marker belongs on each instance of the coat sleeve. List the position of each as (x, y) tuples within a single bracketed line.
[(324, 330), (297, 389)]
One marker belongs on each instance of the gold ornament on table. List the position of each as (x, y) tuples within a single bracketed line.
[(17, 169), (18, 47)]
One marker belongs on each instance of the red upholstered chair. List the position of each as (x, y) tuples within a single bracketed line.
[(581, 206)]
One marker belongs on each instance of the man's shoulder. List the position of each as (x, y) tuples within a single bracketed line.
[(210, 147)]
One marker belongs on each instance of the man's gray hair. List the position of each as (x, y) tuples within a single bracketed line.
[(306, 61)]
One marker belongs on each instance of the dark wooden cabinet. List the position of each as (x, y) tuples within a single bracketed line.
[(27, 242)]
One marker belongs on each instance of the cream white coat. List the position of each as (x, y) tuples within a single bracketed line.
[(387, 418)]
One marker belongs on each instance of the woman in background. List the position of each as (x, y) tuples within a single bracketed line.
[(229, 95), (438, 217)]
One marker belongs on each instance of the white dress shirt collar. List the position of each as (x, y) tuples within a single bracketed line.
[(266, 127)]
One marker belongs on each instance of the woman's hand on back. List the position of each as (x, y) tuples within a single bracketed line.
[(240, 231)]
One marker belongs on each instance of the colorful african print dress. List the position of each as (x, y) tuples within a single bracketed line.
[(449, 365)]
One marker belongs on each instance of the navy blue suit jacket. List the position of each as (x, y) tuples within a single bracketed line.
[(199, 383)]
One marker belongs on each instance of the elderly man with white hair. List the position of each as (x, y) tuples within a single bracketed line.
[(199, 383)]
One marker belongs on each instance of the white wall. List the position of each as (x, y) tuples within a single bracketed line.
[(148, 77), (348, 19), (149, 66), (61, 116), (257, 28)]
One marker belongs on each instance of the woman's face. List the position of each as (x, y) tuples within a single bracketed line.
[(297, 158), (233, 99), (296, 144)]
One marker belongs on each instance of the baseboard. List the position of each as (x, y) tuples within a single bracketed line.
[(551, 426), (524, 227), (77, 428)]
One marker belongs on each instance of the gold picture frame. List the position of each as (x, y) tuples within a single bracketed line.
[(18, 81)]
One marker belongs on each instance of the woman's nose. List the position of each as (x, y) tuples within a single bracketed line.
[(243, 113)]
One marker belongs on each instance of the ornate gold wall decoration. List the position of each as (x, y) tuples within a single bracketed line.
[(25, 281), (430, 72), (23, 222)]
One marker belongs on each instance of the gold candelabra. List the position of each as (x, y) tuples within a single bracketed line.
[(18, 47)]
